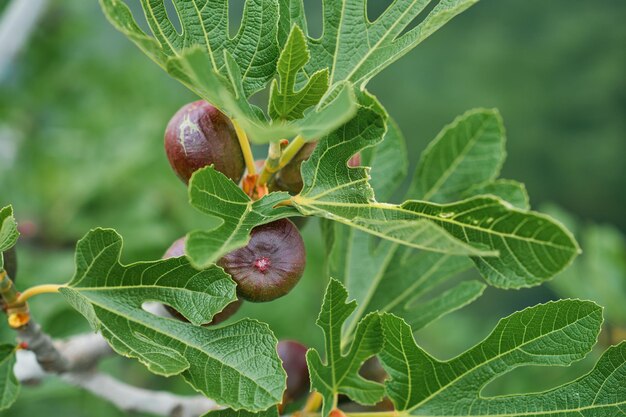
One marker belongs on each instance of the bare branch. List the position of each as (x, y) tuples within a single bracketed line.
[(16, 24), (74, 360), (129, 398)]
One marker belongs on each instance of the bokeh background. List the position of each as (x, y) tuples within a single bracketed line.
[(82, 115)]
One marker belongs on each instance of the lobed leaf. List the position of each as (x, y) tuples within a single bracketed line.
[(214, 194), (9, 386), (355, 49), (226, 71), (467, 152), (340, 372), (512, 248), (236, 364), (553, 334), (286, 103)]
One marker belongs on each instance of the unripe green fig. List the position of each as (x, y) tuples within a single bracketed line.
[(176, 250), (199, 135), (270, 265), (293, 356), (10, 262)]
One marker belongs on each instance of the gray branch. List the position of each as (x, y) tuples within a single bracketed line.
[(16, 25), (75, 359)]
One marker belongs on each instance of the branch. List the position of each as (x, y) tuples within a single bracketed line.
[(128, 398), (74, 360), (16, 24)]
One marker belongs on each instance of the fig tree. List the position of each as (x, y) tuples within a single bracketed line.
[(199, 135), (270, 265)]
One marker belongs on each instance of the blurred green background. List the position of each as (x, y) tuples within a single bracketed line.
[(82, 115)]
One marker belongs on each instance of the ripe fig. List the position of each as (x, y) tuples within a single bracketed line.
[(289, 177), (199, 135), (10, 262), (270, 265), (355, 161), (293, 355), (176, 250)]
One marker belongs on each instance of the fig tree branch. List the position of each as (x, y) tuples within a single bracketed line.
[(75, 359), (16, 25)]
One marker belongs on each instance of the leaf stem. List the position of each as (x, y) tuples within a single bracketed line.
[(273, 166), (16, 310), (36, 290), (271, 163), (244, 143), (8, 292)]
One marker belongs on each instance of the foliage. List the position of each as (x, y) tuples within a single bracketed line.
[(390, 257)]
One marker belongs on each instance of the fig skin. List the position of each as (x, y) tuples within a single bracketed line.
[(293, 355), (289, 178), (176, 250), (270, 265), (10, 262), (208, 137)]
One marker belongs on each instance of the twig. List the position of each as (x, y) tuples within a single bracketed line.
[(16, 24), (128, 398), (74, 361)]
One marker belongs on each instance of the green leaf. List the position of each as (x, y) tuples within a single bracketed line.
[(8, 230), (355, 49), (386, 277), (388, 161), (214, 194), (9, 386), (512, 248), (205, 24), (552, 334), (422, 310), (467, 152), (272, 412), (236, 364), (285, 102), (599, 274), (512, 192), (226, 71), (340, 372)]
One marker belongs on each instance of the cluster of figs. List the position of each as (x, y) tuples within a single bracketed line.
[(273, 261)]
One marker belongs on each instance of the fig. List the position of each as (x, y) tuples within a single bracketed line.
[(289, 177), (293, 355), (10, 262), (270, 265), (176, 250), (199, 135)]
